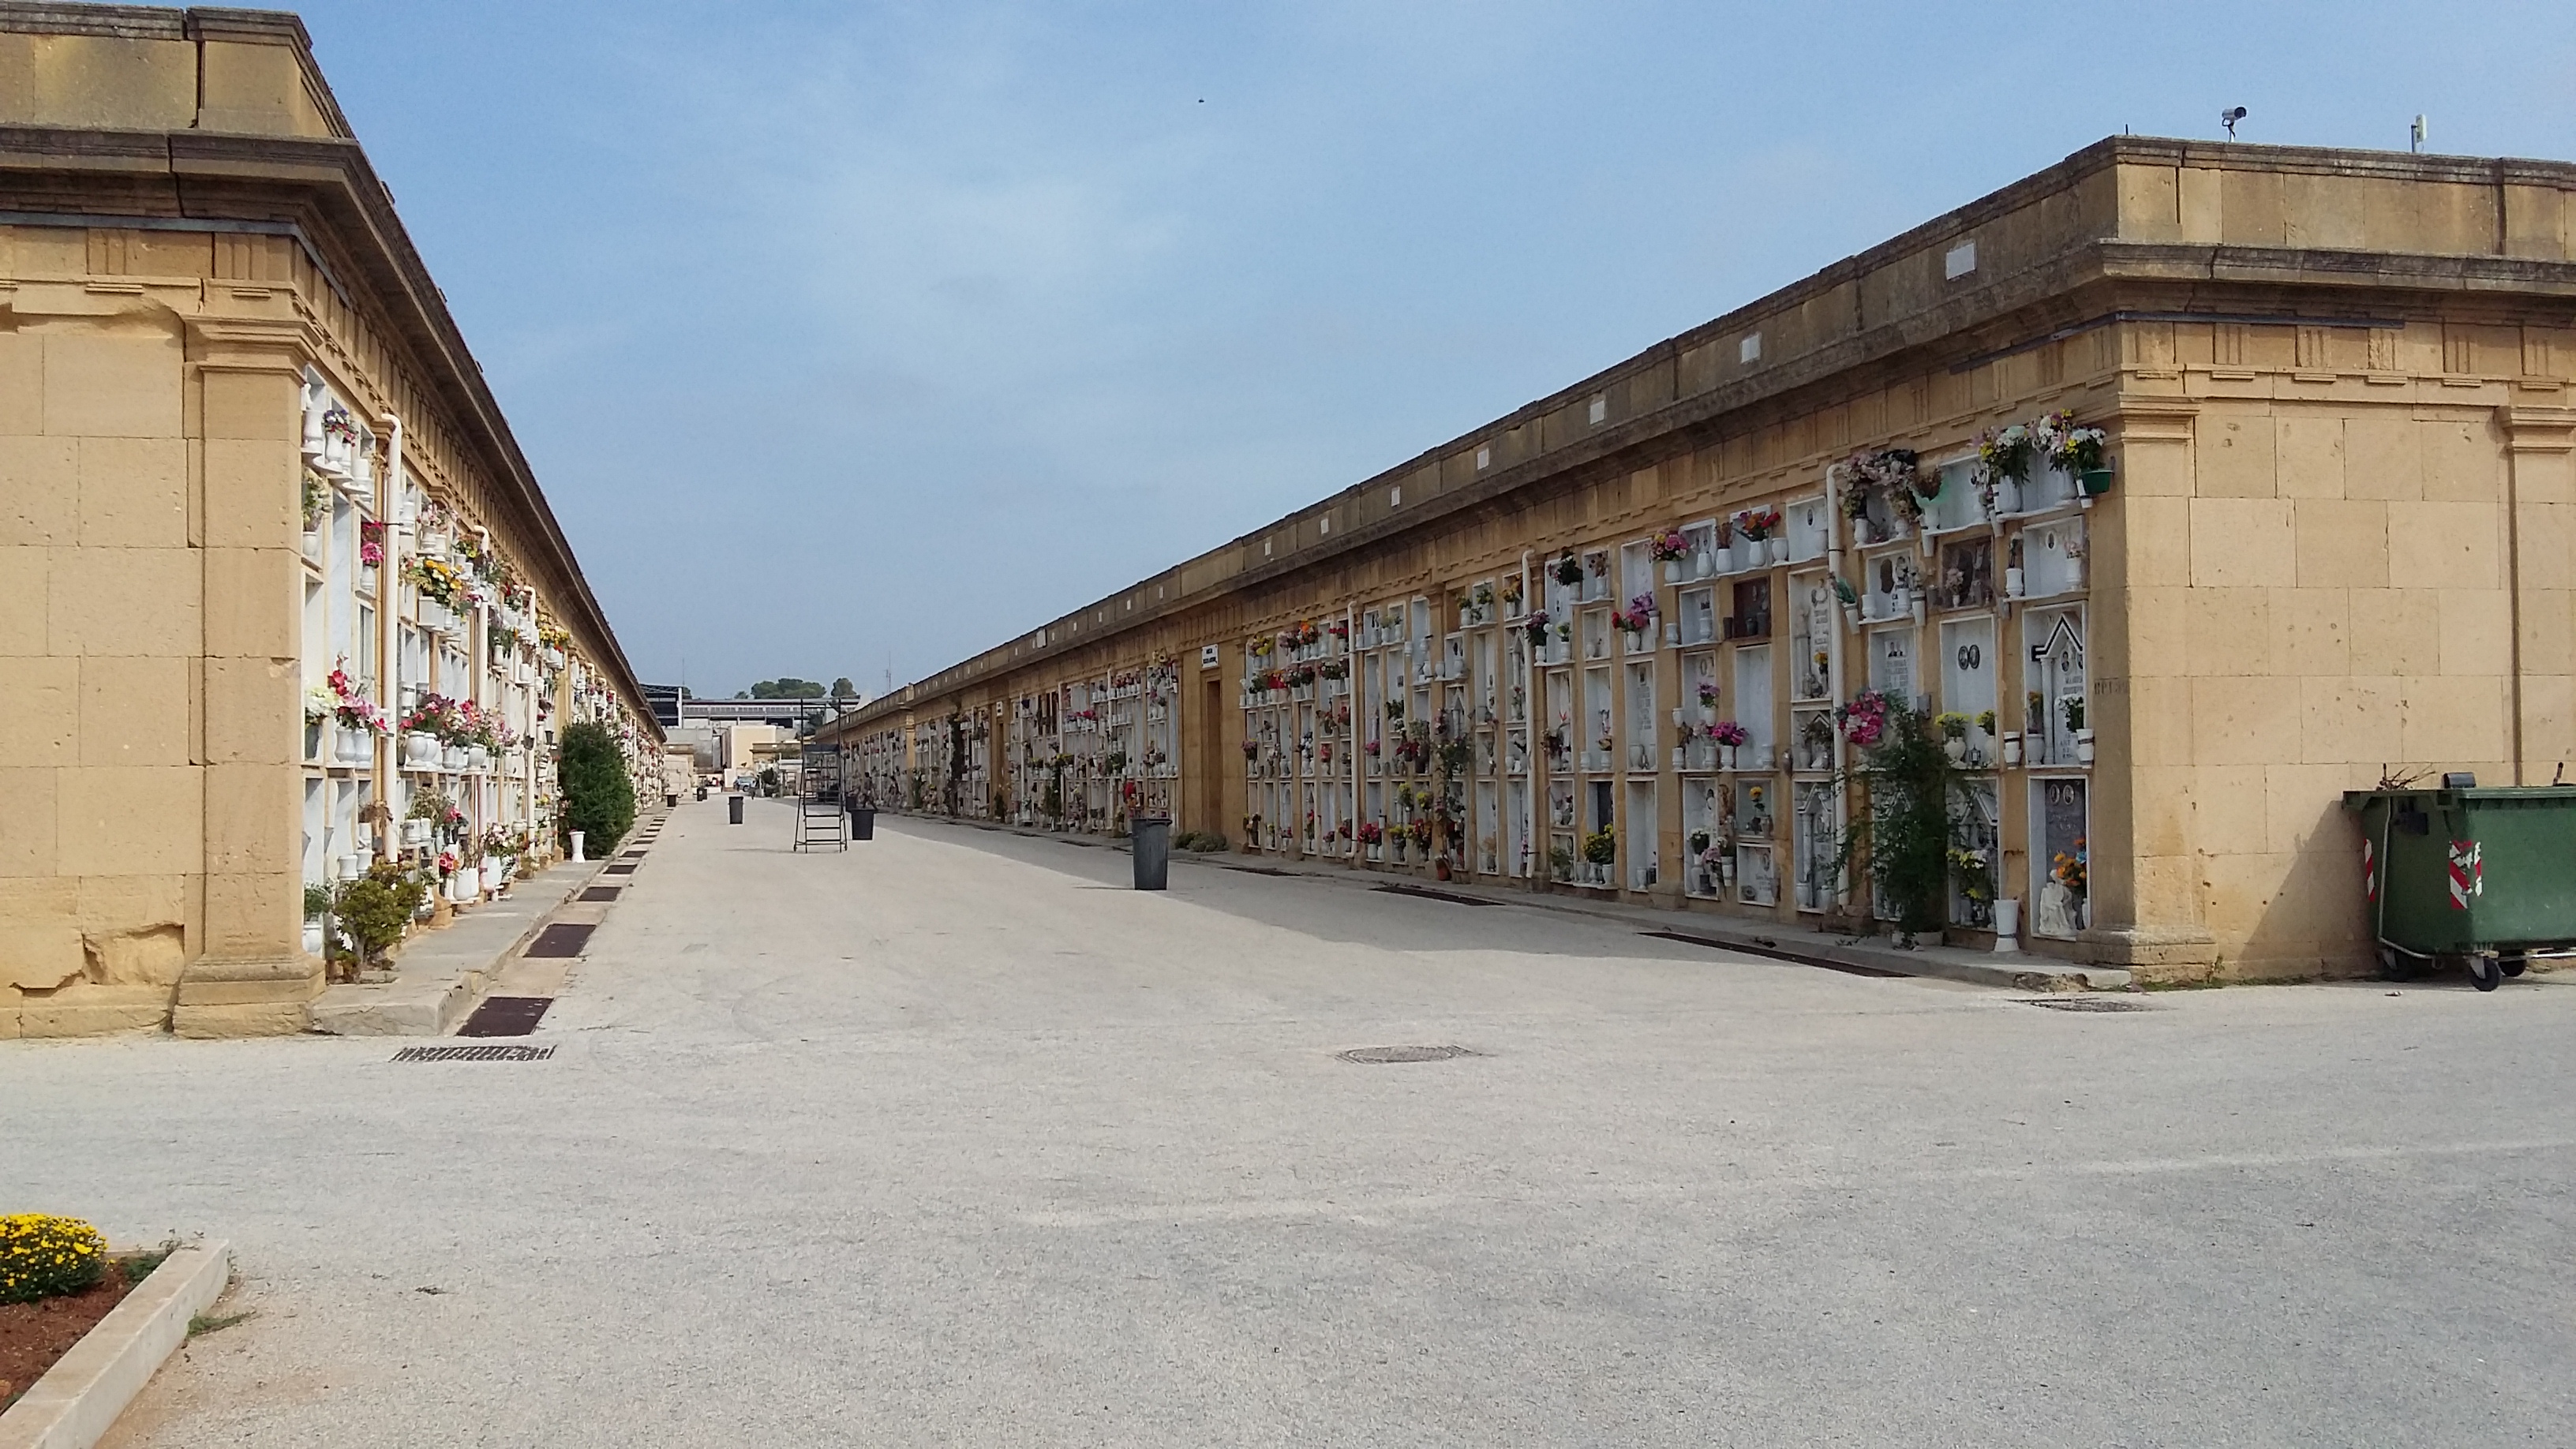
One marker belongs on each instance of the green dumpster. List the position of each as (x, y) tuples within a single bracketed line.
[(2482, 876)]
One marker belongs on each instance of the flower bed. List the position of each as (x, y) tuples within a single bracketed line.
[(57, 1280)]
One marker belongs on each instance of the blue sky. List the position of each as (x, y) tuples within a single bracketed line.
[(849, 338)]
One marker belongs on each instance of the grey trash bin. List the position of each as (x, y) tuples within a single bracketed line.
[(1151, 836), (733, 809)]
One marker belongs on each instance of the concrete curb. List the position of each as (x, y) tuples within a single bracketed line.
[(2011, 972), (78, 1399)]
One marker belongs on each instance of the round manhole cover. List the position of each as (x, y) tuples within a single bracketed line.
[(1385, 1055), (2087, 1003)]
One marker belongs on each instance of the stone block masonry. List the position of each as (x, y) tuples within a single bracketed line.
[(237, 427)]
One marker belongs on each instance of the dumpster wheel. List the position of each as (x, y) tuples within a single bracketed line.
[(2485, 971), (2513, 965)]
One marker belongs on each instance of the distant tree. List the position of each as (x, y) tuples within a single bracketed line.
[(787, 686), (842, 688)]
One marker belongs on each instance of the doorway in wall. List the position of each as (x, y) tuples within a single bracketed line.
[(1206, 805)]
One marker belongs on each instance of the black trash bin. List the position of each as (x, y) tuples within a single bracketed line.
[(863, 822), (1151, 838), (733, 809)]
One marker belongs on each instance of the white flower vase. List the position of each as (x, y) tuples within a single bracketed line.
[(2007, 923), (352, 866), (452, 758), (1779, 547), (2012, 751), (2083, 747), (2012, 583), (1957, 750), (1676, 571), (1702, 565), (352, 746), (1727, 756), (1914, 605), (490, 872), (2074, 571), (315, 440), (312, 938)]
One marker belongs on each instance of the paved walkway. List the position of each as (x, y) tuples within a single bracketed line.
[(950, 1140)]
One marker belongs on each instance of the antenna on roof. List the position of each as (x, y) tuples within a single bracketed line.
[(2229, 118), (2418, 134)]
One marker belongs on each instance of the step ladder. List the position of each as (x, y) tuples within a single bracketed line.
[(822, 818)]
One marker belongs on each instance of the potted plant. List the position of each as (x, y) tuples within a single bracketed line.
[(1954, 735), (2004, 458), (2071, 709), (1731, 738), (2076, 451), (1760, 530), (1672, 550), (1569, 570), (1600, 852)]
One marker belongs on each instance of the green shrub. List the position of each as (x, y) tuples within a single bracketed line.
[(43, 1256), (377, 908), (598, 795)]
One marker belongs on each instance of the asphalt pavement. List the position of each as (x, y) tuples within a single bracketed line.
[(952, 1139)]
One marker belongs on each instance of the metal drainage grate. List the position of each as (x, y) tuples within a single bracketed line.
[(506, 1016), (474, 1054), (599, 893), (1389, 1055), (626, 868), (632, 855), (1428, 894), (563, 938), (2086, 1003)]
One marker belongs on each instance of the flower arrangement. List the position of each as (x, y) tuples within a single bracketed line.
[(1569, 570), (1986, 721), (1339, 628), (2005, 452), (1669, 547), (1600, 848), (1639, 617), (1511, 591), (1420, 830), (319, 701), (371, 543), (1370, 832), (316, 498), (2073, 449), (438, 580), (1708, 693), (1896, 472), (1252, 749), (1537, 627), (2069, 868), (1395, 709), (1864, 720), (1335, 669), (1370, 749), (351, 707), (1758, 524), (336, 423), (1260, 647), (1952, 725), (1727, 732)]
